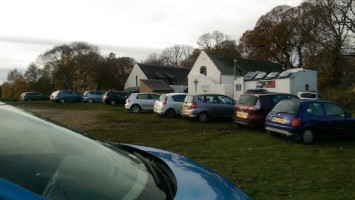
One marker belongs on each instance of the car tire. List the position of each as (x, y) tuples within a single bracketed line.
[(202, 117), (90, 101), (113, 102), (62, 100), (170, 113), (307, 136), (135, 109)]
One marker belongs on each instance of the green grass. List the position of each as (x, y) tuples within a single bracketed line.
[(265, 167)]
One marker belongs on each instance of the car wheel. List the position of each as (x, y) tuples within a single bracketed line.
[(62, 100), (307, 136), (202, 117), (113, 102), (170, 113), (90, 100), (135, 109)]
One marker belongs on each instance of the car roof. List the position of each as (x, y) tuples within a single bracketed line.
[(267, 94)]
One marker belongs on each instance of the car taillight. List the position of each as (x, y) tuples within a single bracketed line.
[(164, 103), (193, 105), (128, 101), (296, 122)]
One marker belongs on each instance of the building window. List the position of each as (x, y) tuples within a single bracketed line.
[(203, 70), (238, 87), (307, 87), (136, 81)]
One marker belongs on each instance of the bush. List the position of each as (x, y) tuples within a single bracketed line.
[(342, 96)]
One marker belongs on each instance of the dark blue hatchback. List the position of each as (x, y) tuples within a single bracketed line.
[(304, 119)]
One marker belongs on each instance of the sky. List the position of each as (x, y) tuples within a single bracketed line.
[(128, 28)]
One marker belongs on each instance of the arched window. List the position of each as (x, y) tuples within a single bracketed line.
[(203, 70)]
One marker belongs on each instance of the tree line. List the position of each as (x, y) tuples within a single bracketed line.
[(78, 66), (318, 34)]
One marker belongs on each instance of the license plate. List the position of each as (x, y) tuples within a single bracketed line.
[(242, 115), (279, 120), (185, 107)]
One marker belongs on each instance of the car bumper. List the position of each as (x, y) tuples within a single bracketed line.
[(284, 130), (127, 106), (189, 113), (159, 111)]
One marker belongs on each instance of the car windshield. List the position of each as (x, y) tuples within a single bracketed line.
[(289, 107), (59, 163), (247, 100)]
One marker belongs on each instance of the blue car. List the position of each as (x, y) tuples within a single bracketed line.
[(63, 96), (41, 160), (305, 119)]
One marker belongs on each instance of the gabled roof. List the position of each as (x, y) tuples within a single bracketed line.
[(226, 65), (157, 85), (169, 74)]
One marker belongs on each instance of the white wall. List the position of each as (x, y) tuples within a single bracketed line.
[(303, 78), (131, 80), (205, 85), (212, 71)]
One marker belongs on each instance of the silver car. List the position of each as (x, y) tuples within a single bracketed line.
[(91, 96), (169, 104), (137, 102), (206, 106)]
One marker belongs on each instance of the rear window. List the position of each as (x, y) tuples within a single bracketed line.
[(308, 95), (247, 100), (189, 99), (163, 97), (290, 107), (179, 98)]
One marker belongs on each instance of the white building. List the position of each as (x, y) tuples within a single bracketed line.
[(290, 81), (176, 77), (215, 74)]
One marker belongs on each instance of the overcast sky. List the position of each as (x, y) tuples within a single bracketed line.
[(132, 28)]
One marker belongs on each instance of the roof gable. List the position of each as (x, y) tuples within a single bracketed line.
[(169, 74)]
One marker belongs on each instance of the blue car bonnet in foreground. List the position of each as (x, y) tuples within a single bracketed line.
[(195, 181)]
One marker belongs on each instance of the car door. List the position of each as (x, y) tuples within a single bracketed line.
[(143, 100), (177, 101), (152, 100), (225, 106), (317, 118), (337, 122)]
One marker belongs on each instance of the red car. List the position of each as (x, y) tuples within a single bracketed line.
[(251, 109)]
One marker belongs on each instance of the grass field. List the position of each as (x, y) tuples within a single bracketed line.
[(265, 167)]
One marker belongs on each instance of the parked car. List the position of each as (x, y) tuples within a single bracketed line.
[(63, 96), (34, 96), (304, 119), (91, 96), (136, 102), (308, 95), (251, 109), (206, 106), (114, 97), (169, 104), (42, 160)]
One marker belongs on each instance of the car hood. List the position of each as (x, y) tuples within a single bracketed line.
[(195, 181)]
